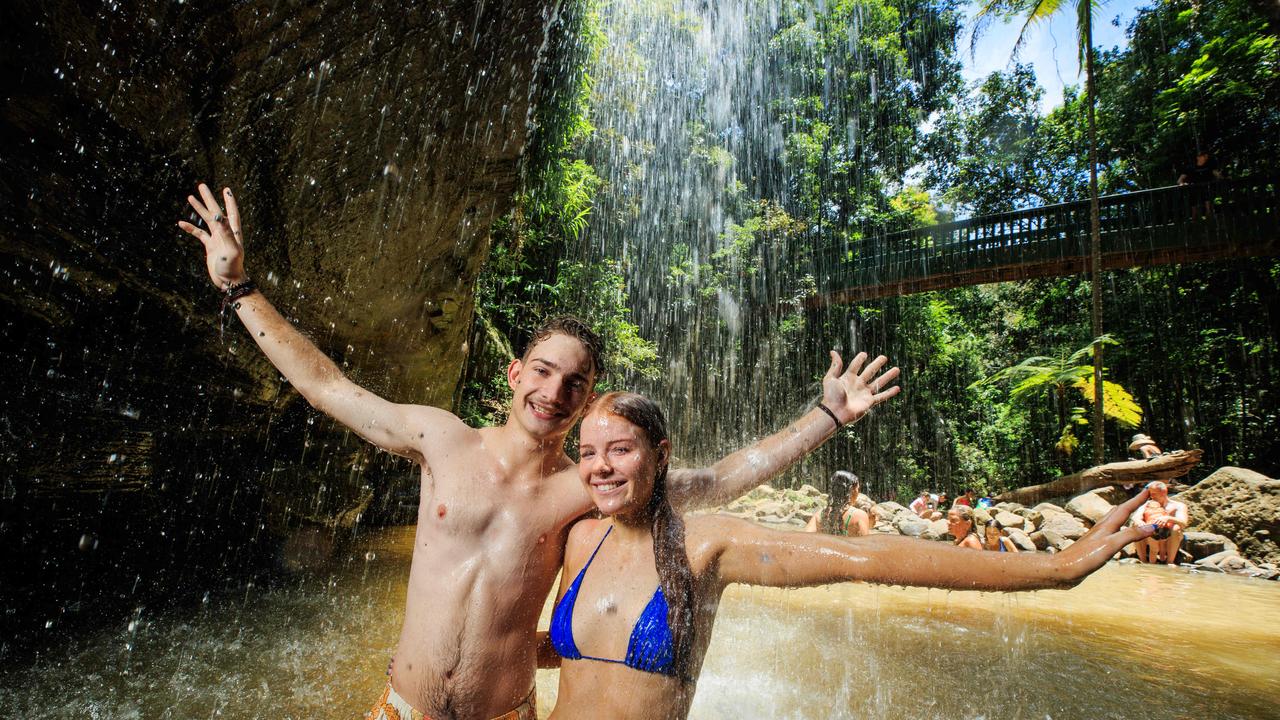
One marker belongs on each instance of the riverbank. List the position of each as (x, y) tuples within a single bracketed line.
[(1235, 516)]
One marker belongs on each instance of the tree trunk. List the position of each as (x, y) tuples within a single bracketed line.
[(1162, 467), (1095, 242)]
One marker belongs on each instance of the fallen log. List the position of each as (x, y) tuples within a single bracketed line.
[(1163, 467)]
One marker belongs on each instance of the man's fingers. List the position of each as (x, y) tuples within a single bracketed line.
[(199, 234), (833, 372), (200, 209), (233, 212), (211, 204)]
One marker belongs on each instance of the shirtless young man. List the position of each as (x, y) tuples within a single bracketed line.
[(1171, 519), (495, 503)]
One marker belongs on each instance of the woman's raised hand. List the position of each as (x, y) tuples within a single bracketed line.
[(1103, 541), (223, 242), (858, 389)]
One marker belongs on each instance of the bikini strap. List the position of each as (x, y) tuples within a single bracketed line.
[(593, 552)]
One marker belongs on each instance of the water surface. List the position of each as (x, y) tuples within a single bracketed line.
[(1131, 641)]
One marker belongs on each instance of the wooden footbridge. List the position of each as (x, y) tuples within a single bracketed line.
[(1152, 227)]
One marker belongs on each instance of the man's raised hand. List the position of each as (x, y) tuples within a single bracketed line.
[(858, 389), (223, 242)]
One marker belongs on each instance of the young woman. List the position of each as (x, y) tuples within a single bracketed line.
[(960, 526), (842, 516), (641, 585), (994, 538)]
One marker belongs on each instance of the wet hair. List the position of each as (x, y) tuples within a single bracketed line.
[(842, 487), (964, 511), (575, 328), (675, 576), (1157, 485)]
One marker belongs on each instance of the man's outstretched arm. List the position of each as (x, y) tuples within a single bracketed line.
[(848, 395), (383, 423)]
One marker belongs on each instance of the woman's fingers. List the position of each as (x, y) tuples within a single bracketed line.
[(855, 365), (872, 367), (233, 212), (833, 372)]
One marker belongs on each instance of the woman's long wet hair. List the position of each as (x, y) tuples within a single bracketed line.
[(843, 487), (675, 576)]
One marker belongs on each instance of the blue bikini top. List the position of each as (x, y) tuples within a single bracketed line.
[(651, 647)]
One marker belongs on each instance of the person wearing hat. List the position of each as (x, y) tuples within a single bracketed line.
[(1143, 447)]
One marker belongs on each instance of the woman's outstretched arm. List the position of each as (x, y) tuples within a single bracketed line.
[(747, 553)]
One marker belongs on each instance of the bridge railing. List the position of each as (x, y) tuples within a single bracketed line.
[(1145, 221)]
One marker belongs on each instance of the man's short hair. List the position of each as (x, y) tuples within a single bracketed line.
[(575, 328)]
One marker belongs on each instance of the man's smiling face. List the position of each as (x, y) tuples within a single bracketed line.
[(552, 384)]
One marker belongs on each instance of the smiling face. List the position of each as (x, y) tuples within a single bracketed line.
[(551, 385), (991, 535), (618, 464)]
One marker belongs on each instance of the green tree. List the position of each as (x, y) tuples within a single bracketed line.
[(1032, 12), (1060, 374)]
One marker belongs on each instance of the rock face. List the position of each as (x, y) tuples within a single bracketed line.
[(1241, 505), (370, 144)]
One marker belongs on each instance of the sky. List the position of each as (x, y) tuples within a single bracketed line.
[(1050, 47)]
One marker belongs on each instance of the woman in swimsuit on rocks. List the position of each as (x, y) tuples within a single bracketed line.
[(641, 585)]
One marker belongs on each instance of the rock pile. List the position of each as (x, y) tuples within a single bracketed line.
[(1235, 520)]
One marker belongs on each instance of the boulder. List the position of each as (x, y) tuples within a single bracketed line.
[(1050, 539), (1012, 507), (1034, 517), (888, 510), (1064, 525), (1090, 507), (1022, 540), (936, 530), (1009, 519), (981, 516), (812, 491), (1113, 494), (886, 527), (1241, 505), (1202, 544), (909, 524)]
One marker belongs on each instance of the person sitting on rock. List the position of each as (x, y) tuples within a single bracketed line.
[(925, 506), (1142, 447), (1170, 519), (969, 498), (960, 527), (995, 537), (842, 516)]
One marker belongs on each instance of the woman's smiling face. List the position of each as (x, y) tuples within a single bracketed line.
[(617, 463)]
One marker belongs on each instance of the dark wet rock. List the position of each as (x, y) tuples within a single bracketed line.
[(1241, 505), (1202, 544), (371, 145)]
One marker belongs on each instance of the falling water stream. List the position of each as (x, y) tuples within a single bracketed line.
[(1130, 642)]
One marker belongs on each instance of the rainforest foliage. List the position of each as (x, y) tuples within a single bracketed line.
[(881, 133)]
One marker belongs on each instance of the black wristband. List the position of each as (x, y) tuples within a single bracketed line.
[(239, 290), (831, 414)]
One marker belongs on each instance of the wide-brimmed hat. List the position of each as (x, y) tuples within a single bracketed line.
[(1140, 441)]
